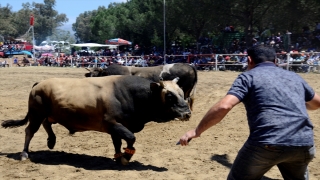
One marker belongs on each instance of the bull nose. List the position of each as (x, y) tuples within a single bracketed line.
[(188, 115)]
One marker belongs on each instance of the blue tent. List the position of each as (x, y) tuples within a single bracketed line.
[(27, 53), (12, 53)]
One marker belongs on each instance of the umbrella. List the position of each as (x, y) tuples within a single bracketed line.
[(27, 53), (47, 54), (118, 41)]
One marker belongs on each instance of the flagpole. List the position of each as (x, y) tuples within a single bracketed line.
[(33, 41), (33, 52), (164, 32)]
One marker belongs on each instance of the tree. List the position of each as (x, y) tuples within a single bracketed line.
[(62, 35), (82, 28), (6, 26), (46, 19), (17, 23)]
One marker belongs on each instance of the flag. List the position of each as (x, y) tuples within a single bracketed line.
[(31, 20)]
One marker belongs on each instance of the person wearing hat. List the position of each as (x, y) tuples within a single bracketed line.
[(254, 42), (281, 132)]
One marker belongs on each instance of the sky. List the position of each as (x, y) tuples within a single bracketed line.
[(72, 8)]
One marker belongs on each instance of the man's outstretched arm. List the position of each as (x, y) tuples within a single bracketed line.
[(214, 115)]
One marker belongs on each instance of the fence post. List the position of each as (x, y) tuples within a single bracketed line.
[(288, 58), (216, 63)]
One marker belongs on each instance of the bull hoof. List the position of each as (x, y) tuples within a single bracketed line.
[(124, 161), (24, 155), (51, 142), (128, 153), (118, 158)]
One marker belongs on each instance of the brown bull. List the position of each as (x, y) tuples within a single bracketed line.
[(118, 105)]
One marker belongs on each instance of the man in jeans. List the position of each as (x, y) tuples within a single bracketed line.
[(281, 132)]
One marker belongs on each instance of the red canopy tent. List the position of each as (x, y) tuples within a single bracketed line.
[(118, 41)]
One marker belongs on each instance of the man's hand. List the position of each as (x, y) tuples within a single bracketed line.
[(186, 138)]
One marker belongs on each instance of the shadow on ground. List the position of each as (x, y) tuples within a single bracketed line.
[(82, 161)]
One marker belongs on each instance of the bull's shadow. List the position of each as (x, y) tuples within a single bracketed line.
[(224, 160), (82, 161)]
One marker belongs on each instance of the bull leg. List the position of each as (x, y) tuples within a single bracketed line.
[(117, 147), (119, 132), (51, 141), (32, 128)]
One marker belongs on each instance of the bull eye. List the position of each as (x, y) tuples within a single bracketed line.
[(170, 98)]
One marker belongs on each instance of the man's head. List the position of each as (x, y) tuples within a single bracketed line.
[(259, 54)]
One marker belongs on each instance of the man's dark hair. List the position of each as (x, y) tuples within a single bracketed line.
[(261, 54)]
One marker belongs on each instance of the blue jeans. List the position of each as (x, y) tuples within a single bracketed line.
[(252, 162)]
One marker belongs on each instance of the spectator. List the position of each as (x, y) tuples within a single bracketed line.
[(317, 29), (15, 61), (254, 42), (25, 61), (305, 63), (278, 38), (227, 28), (3, 63)]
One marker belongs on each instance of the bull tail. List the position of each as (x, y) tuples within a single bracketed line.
[(15, 123), (35, 84), (196, 75), (193, 91)]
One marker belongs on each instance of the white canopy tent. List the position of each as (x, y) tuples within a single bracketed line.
[(95, 45), (90, 45), (44, 48)]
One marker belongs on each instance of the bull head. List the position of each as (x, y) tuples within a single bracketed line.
[(93, 72), (172, 98), (175, 80), (94, 69)]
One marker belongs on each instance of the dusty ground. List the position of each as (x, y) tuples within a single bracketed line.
[(88, 155)]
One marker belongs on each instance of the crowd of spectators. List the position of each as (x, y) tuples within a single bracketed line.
[(203, 56), (299, 61), (12, 45), (102, 61)]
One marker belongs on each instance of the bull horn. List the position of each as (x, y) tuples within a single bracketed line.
[(162, 84), (175, 80), (88, 69), (100, 69)]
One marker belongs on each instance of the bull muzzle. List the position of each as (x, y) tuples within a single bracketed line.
[(185, 116)]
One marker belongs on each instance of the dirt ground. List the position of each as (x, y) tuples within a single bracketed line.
[(88, 155)]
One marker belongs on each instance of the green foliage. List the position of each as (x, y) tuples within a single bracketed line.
[(62, 35), (16, 24), (142, 22), (84, 29), (6, 26)]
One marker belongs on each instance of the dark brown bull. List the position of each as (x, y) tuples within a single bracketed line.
[(187, 75), (118, 105)]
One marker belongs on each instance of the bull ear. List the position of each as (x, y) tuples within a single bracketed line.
[(154, 86), (175, 80), (88, 69)]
